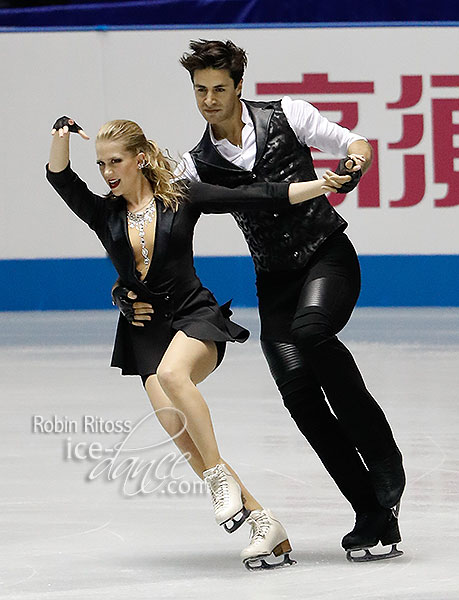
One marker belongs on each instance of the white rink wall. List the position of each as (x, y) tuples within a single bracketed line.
[(100, 75)]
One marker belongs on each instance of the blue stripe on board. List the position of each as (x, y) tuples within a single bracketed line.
[(56, 284), (85, 283)]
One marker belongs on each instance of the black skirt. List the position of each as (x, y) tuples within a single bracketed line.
[(139, 350)]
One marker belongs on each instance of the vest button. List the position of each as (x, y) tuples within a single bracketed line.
[(167, 315), (296, 254), (287, 236), (275, 215), (254, 176)]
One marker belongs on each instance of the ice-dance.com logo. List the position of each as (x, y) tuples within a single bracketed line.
[(138, 469)]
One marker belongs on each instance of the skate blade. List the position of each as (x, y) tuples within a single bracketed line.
[(369, 556), (259, 563), (232, 524)]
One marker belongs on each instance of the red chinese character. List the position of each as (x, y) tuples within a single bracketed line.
[(316, 83), (414, 175), (445, 153)]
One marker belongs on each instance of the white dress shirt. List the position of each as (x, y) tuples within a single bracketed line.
[(310, 127)]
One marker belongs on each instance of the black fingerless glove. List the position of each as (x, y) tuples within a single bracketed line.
[(63, 121), (355, 176), (125, 304)]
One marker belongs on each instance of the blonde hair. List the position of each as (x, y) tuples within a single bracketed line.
[(159, 169)]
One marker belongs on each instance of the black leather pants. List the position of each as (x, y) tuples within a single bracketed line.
[(318, 379)]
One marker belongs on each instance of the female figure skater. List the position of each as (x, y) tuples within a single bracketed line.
[(146, 225)]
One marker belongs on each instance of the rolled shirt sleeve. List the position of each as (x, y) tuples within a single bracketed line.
[(315, 130)]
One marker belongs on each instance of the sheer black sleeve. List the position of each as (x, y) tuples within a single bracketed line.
[(257, 196), (85, 204)]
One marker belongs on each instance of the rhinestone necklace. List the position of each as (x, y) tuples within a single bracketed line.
[(139, 220)]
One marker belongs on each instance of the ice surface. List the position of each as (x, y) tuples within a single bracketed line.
[(64, 536)]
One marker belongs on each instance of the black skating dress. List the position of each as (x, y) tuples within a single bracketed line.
[(179, 300)]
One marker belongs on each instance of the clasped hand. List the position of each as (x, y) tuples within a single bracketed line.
[(134, 312), (347, 175)]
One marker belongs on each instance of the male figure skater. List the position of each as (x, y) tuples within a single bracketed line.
[(307, 278)]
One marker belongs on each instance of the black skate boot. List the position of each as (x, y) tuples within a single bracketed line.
[(388, 478), (371, 528)]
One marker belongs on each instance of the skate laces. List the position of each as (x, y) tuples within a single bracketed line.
[(218, 486), (260, 526)]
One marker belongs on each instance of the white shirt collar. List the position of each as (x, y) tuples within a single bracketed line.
[(246, 119)]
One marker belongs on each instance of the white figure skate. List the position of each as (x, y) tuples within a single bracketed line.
[(226, 498), (267, 537)]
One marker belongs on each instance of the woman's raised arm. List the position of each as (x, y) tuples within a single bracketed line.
[(87, 206), (59, 155)]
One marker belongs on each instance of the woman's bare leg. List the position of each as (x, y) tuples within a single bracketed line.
[(185, 362), (170, 419), (199, 362)]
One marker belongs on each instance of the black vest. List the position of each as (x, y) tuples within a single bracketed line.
[(284, 240)]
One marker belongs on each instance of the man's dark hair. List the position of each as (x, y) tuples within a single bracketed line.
[(215, 54)]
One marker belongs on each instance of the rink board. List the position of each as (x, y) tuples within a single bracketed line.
[(404, 97)]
